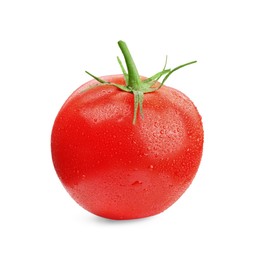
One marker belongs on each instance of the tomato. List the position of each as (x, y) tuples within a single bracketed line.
[(124, 156)]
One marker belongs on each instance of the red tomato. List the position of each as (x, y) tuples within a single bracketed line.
[(118, 169)]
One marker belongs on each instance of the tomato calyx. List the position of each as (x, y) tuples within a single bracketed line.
[(133, 82)]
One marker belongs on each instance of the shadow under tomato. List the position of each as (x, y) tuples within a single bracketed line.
[(105, 221)]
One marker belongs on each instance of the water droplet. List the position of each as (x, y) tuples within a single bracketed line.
[(151, 166), (162, 132), (137, 183)]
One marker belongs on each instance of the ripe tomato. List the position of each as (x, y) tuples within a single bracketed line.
[(119, 169)]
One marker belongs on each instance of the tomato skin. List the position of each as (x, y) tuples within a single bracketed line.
[(120, 170)]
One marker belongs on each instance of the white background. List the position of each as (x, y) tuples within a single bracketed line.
[(45, 47)]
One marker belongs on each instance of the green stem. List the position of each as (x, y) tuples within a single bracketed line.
[(134, 80)]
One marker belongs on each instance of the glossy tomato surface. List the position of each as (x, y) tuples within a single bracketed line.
[(120, 170)]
